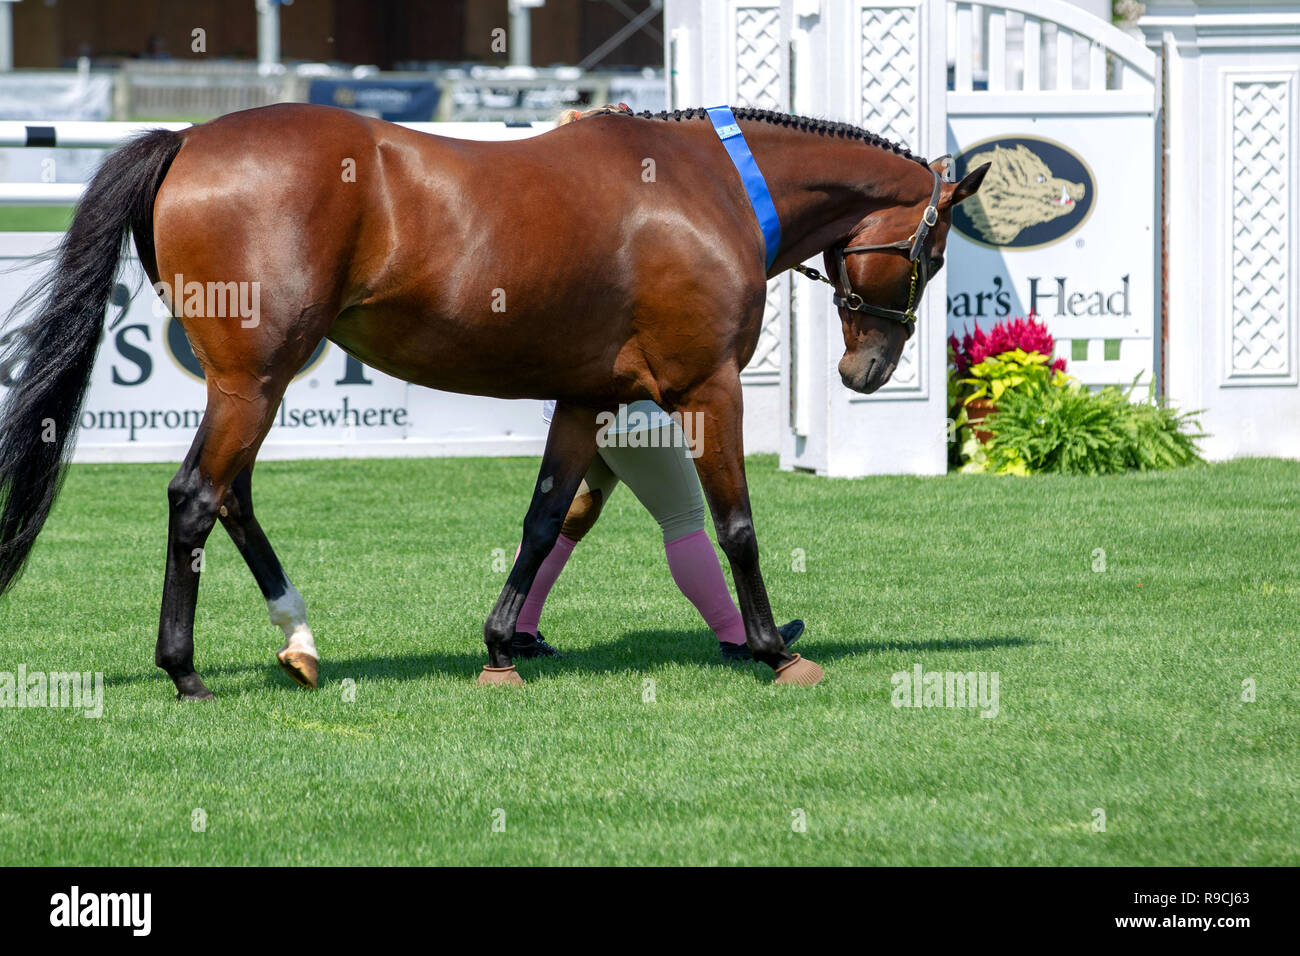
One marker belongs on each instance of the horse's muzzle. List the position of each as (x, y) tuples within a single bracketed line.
[(869, 379)]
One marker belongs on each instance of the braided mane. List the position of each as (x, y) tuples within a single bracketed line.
[(805, 124)]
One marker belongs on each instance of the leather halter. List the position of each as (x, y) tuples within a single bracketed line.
[(914, 245)]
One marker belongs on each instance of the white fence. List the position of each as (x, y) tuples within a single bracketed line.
[(1070, 224), (1028, 46), (478, 93), (168, 88)]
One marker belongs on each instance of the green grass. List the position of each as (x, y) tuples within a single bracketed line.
[(1120, 690), (35, 218)]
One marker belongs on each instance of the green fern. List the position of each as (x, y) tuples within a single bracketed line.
[(1075, 431)]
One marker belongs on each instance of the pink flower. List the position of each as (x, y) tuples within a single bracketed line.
[(1006, 335), (958, 355)]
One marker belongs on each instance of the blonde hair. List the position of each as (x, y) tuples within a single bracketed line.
[(569, 115)]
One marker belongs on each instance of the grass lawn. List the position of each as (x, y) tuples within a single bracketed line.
[(1120, 690), (35, 218)]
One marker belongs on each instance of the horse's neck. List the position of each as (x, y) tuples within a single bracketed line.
[(823, 186)]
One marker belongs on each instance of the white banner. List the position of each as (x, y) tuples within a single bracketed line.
[(147, 395), (1063, 227)]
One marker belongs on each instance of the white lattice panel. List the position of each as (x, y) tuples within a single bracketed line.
[(756, 80), (888, 61), (1259, 342), (890, 105), (757, 57)]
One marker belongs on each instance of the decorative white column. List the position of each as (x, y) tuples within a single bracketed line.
[(882, 65), (7, 35), (1232, 114)]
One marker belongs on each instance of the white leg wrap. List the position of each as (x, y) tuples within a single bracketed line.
[(289, 613)]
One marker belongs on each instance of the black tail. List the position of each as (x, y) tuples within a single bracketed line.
[(50, 357)]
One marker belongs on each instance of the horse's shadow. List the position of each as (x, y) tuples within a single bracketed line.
[(632, 651)]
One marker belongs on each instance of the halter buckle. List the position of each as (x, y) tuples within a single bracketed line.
[(931, 216)]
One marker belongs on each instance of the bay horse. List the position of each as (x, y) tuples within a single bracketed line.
[(551, 267)]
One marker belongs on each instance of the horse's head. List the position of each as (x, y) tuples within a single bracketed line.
[(880, 277)]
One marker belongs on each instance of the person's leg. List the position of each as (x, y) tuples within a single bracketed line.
[(662, 476), (594, 491)]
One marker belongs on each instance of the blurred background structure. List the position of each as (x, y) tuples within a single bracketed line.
[(413, 60)]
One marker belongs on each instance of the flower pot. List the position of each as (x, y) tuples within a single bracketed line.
[(976, 412)]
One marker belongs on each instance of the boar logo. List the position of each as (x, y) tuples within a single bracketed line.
[(1036, 193)]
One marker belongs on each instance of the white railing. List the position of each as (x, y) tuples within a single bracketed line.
[(1036, 46), (204, 88), (74, 134), (200, 88)]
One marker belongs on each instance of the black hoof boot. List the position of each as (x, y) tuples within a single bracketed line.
[(524, 644), (790, 633)]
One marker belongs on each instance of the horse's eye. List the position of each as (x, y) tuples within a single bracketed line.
[(1042, 179)]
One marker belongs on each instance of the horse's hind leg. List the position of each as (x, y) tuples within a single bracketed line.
[(239, 413), (570, 446), (298, 657)]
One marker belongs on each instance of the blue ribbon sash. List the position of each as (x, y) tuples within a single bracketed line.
[(728, 130)]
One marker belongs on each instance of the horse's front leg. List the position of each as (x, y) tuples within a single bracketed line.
[(570, 446), (712, 420)]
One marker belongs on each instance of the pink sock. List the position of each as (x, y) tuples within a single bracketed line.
[(695, 568), (542, 584)]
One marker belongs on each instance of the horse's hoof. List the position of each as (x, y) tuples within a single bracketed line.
[(303, 668), (500, 675), (800, 671), (191, 687)]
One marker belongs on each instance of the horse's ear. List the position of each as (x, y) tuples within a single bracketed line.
[(969, 185)]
